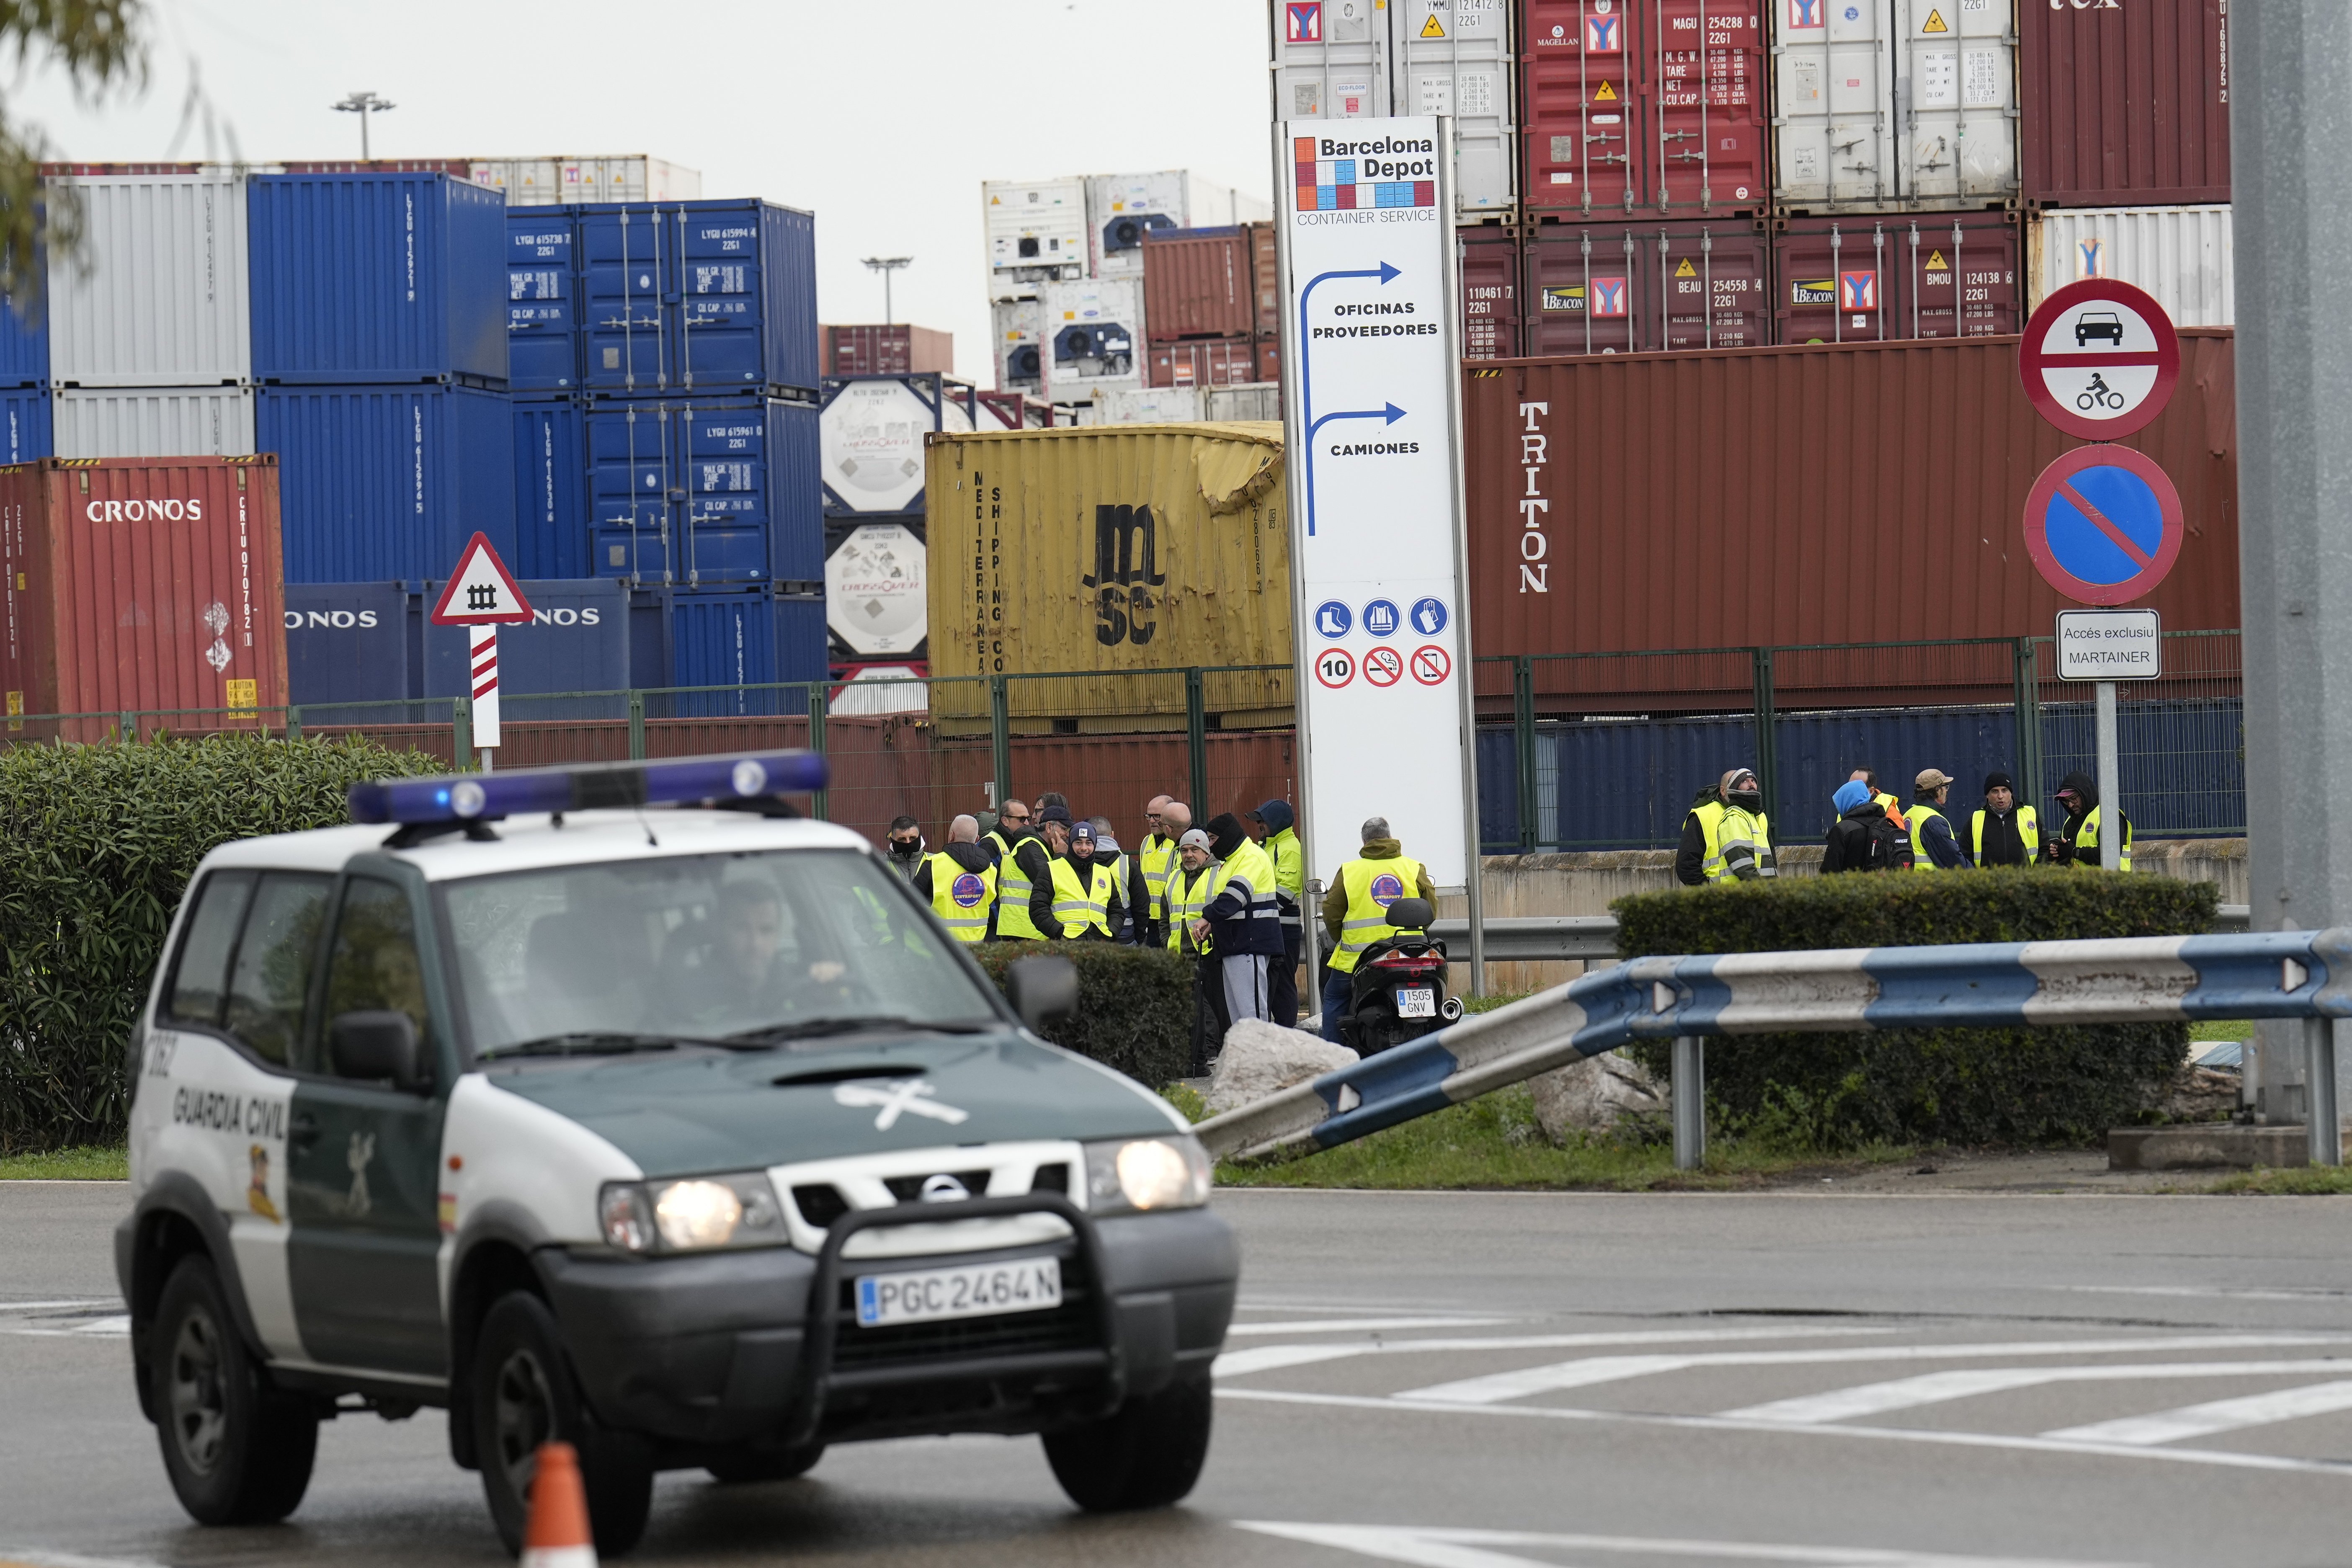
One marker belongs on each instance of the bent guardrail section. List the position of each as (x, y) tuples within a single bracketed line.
[(2269, 974)]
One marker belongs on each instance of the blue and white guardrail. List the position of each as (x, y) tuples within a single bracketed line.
[(2269, 974)]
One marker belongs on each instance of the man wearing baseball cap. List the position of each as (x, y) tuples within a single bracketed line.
[(1934, 845)]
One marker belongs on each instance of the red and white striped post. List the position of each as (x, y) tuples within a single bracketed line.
[(479, 594), (485, 664)]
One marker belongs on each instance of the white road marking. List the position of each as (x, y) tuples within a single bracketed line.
[(1360, 1325), (11, 1556), (1268, 1358), (2220, 1416), (2221, 1457), (1940, 1387), (1435, 1548), (1495, 1387), (78, 1303), (2316, 1293)]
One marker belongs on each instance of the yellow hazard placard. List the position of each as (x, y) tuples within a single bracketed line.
[(244, 697), (1606, 95), (1433, 28), (1936, 262), (1935, 23), (1686, 269)]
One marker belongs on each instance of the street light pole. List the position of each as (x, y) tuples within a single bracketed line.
[(363, 102), (886, 264)]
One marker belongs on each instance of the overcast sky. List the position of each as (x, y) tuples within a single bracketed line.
[(880, 116)]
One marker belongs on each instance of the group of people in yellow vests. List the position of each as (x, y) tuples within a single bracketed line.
[(1726, 837)]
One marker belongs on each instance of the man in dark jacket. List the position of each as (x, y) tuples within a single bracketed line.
[(1242, 925), (2076, 843), (1862, 839), (1025, 880), (2004, 833)]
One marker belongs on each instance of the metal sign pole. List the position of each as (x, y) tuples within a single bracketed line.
[(2111, 831)]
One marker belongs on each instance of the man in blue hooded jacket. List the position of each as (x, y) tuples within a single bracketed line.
[(1269, 827)]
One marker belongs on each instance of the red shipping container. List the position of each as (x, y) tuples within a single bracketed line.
[(1490, 292), (896, 349), (2124, 105), (1794, 496), (1200, 283), (1269, 357), (1863, 280), (1204, 362), (1644, 105), (141, 584), (1635, 288), (1265, 269)]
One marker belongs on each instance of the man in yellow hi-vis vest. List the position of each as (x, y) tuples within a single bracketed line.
[(1725, 835), (1025, 880), (1190, 886), (2076, 842), (1150, 868), (1934, 845), (960, 883), (1355, 911)]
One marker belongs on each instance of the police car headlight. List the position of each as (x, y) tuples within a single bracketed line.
[(1147, 1173), (692, 1216)]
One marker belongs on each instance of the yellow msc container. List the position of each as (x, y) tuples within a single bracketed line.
[(1124, 553)]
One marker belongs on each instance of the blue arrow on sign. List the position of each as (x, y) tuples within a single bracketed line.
[(1391, 414)]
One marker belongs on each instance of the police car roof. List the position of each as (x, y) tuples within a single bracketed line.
[(529, 842)]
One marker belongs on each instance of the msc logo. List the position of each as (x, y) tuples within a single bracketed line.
[(1126, 570), (1387, 889), (967, 891)]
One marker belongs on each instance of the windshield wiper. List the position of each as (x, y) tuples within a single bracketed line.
[(590, 1043), (848, 1024)]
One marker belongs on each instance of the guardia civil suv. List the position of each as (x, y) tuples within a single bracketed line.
[(686, 1135)]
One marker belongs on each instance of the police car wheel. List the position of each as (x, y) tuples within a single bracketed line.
[(1146, 1454), (524, 1394), (237, 1451), (741, 1467)]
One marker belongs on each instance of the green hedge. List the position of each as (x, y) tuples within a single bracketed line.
[(97, 843), (1954, 1086), (1135, 1005)]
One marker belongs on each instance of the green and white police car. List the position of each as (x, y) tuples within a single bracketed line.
[(688, 1136)]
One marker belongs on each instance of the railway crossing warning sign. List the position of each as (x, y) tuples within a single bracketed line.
[(2099, 359), (481, 595)]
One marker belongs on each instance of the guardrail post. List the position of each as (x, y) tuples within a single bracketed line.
[(2029, 725), (126, 730), (293, 722), (461, 732), (1689, 1089), (1523, 743), (1000, 739), (1196, 739), (1768, 761), (817, 803), (2326, 1134), (637, 726)]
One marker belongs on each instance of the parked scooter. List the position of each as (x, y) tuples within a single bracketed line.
[(1399, 993)]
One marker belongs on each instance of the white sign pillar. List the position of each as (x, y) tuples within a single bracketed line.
[(481, 594), (483, 642), (1372, 443)]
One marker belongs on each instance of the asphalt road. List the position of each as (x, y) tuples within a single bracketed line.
[(1472, 1381)]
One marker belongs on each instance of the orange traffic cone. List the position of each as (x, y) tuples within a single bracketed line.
[(557, 1535)]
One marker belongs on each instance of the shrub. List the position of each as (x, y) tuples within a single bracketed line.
[(1957, 1086), (97, 843), (1135, 1005)]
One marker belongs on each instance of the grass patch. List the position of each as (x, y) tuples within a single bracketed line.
[(1494, 1142), (92, 1162), (2222, 1029), (1498, 999), (2286, 1181)]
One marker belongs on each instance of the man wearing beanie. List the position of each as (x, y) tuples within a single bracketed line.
[(1269, 827), (2004, 833), (1240, 920)]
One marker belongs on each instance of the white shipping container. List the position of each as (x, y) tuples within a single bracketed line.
[(161, 296), (1887, 104), (2179, 255), (1018, 357), (1252, 400), (877, 597), (1091, 334), (153, 421), (1035, 231), (870, 440), (1122, 208), (1365, 59), (1150, 405), (545, 181)]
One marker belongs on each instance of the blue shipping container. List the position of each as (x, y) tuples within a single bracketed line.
[(696, 492), (377, 278), (25, 426), (543, 300), (743, 636), (702, 296), (550, 480), (577, 640), (349, 642), (387, 481), (24, 349)]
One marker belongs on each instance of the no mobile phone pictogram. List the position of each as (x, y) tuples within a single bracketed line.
[(1335, 668), (1383, 667), (1432, 663)]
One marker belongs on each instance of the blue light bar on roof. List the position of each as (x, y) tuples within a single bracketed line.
[(475, 797)]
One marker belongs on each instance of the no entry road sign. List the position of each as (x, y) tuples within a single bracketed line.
[(2099, 359), (2103, 525)]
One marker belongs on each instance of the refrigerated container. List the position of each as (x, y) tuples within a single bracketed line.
[(161, 294), (2125, 102), (1645, 106), (377, 278), (1090, 332), (1861, 280), (1124, 210), (551, 488), (153, 422), (1489, 262), (2181, 255), (388, 481), (1020, 359), (542, 300), (1156, 406), (1636, 287), (1203, 362), (1201, 283), (899, 349), (25, 430), (696, 298), (870, 434), (876, 599), (1034, 231), (694, 492), (1368, 59), (1886, 105), (139, 585), (547, 181)]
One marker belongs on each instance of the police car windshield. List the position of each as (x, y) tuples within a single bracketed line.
[(764, 947)]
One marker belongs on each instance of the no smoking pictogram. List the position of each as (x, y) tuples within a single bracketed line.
[(1335, 668), (1384, 667), (1432, 663)]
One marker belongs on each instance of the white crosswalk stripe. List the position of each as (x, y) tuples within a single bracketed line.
[(1940, 1387), (1360, 1325), (1270, 1358), (1445, 1548), (2220, 1415)]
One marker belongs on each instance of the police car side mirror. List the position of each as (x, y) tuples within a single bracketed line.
[(373, 1046), (1042, 988)]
